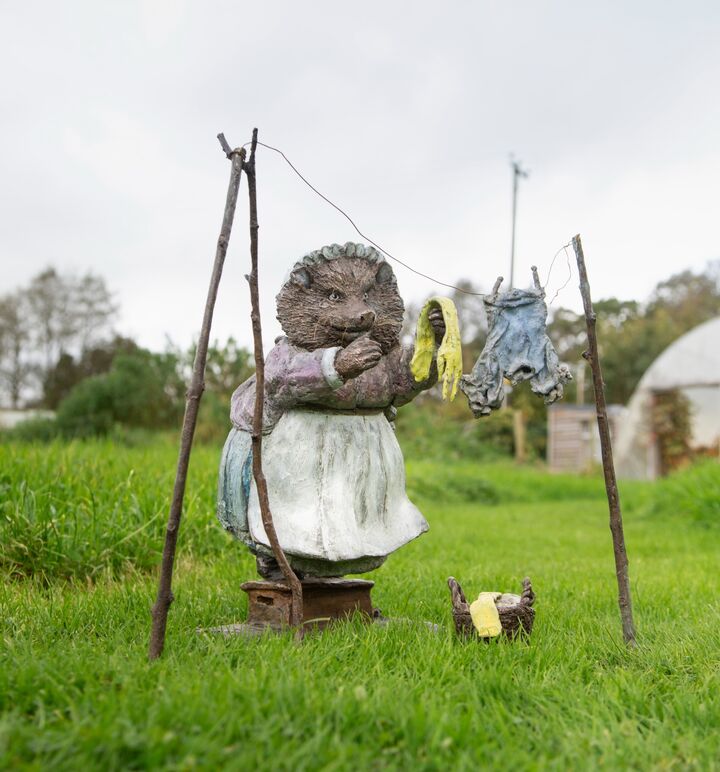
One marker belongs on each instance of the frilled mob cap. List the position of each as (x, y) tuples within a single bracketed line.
[(334, 251)]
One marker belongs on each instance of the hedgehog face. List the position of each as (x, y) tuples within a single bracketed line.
[(331, 303)]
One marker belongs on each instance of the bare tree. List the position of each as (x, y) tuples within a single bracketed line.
[(67, 313), (48, 298), (55, 316), (16, 367), (92, 309)]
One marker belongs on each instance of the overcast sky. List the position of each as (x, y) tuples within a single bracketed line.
[(403, 112)]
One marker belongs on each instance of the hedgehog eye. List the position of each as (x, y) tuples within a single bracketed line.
[(334, 295), (366, 296)]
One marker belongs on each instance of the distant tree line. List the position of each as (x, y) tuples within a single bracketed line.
[(146, 390), (58, 351), (631, 336), (54, 315)]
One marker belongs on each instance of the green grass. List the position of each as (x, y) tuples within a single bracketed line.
[(79, 509), (76, 691), (693, 493)]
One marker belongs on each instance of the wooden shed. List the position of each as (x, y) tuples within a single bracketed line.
[(573, 439)]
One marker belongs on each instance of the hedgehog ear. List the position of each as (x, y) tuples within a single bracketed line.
[(384, 274), (301, 277)]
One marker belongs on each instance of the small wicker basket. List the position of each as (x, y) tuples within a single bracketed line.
[(516, 611)]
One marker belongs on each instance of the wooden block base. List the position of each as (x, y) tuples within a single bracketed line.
[(324, 601)]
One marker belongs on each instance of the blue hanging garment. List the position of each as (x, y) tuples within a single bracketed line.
[(517, 348)]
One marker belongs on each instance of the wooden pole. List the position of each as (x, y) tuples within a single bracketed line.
[(616, 525), (296, 609), (519, 435), (192, 404)]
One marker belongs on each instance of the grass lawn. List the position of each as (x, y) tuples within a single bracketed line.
[(80, 530)]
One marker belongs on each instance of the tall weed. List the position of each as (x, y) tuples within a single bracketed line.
[(75, 510), (693, 493)]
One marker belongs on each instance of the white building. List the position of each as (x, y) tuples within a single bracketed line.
[(690, 365), (10, 418)]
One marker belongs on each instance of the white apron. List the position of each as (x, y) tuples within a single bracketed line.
[(336, 485)]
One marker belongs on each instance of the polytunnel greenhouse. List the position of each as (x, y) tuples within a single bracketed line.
[(690, 367)]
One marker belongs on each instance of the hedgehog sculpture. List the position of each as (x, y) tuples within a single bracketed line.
[(335, 472)]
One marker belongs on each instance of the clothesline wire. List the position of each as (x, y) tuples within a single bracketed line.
[(375, 244), (367, 238), (564, 248)]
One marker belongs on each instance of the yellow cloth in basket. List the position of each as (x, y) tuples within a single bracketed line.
[(485, 616)]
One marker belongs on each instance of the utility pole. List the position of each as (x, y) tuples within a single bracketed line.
[(518, 172), (519, 427)]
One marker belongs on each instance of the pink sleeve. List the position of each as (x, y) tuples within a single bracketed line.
[(292, 376)]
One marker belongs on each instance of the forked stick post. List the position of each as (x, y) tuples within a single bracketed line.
[(192, 404), (616, 524), (296, 609)]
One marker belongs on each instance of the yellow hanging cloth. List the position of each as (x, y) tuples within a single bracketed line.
[(449, 355), (485, 616)]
